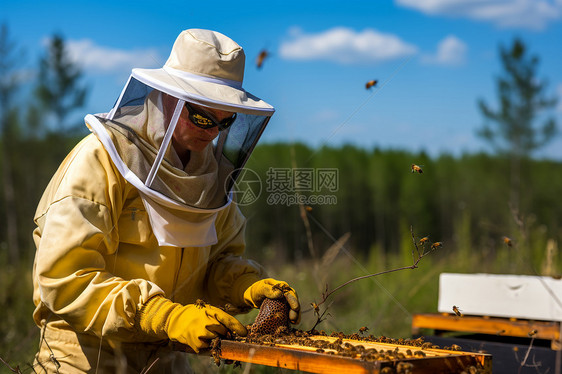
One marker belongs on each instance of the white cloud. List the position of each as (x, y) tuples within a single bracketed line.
[(101, 59), (530, 14), (451, 51), (325, 115), (344, 45)]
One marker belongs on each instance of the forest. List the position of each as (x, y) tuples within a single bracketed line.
[(496, 212)]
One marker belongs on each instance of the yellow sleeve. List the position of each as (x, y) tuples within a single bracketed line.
[(76, 221), (230, 274)]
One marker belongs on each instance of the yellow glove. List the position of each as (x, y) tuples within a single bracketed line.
[(273, 289), (193, 325)]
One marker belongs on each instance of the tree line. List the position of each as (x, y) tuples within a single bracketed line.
[(460, 201), (35, 133), (377, 197)]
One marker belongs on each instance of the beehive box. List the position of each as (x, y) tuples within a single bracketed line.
[(511, 296)]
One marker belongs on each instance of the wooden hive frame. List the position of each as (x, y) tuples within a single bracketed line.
[(304, 358)]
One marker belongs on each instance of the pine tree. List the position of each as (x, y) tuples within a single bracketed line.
[(521, 99), (516, 131), (59, 91), (9, 85)]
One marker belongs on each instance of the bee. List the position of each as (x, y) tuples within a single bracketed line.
[(216, 343), (423, 240), (533, 332), (200, 304), (436, 245), (228, 308), (416, 169), (261, 58), (507, 241), (282, 287), (315, 307), (455, 347), (363, 329), (308, 208), (404, 367), (216, 358), (371, 84), (457, 311)]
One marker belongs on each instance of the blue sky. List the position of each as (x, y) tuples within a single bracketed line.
[(433, 59)]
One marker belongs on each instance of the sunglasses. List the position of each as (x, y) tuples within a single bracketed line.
[(205, 121)]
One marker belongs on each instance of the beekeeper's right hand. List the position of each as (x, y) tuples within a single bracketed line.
[(193, 325)]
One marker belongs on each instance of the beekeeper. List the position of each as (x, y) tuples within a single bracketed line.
[(138, 242)]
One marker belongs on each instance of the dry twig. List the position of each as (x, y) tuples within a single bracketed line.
[(13, 370), (417, 255)]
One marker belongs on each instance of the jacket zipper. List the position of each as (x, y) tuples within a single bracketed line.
[(176, 276)]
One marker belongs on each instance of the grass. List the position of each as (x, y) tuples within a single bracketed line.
[(384, 303)]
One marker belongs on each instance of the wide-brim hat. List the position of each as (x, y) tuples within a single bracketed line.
[(207, 68)]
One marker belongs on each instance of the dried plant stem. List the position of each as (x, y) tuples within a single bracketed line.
[(415, 260), (325, 297), (150, 367), (16, 370), (417, 255), (304, 218), (302, 212), (523, 363)]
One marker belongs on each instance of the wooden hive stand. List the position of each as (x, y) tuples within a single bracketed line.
[(443, 323)]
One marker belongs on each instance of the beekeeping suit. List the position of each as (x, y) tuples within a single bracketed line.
[(138, 247)]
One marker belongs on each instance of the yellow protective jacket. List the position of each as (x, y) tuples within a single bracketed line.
[(97, 262)]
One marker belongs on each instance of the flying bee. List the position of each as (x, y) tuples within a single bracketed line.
[(507, 241), (423, 240), (308, 208), (363, 329), (533, 332), (457, 311), (261, 58), (436, 245), (416, 169), (370, 84)]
